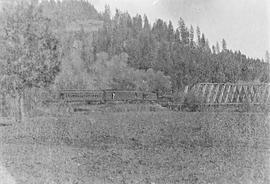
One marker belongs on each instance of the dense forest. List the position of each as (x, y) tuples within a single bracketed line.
[(181, 54), (98, 50)]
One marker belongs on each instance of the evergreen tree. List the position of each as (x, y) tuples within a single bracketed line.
[(198, 31), (183, 31), (177, 36), (137, 25), (159, 30), (203, 41), (213, 49), (224, 45), (146, 25), (107, 14), (267, 60), (191, 36), (170, 36), (217, 48)]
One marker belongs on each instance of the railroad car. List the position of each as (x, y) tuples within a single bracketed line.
[(121, 96), (104, 96), (165, 100), (82, 96), (150, 97)]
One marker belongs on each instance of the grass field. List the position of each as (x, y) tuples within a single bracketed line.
[(139, 147)]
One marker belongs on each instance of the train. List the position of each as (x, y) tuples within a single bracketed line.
[(106, 96)]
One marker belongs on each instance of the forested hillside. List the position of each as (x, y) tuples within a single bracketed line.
[(116, 50), (183, 53), (77, 24)]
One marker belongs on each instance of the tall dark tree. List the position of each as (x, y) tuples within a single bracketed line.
[(224, 45), (177, 36), (203, 41), (267, 60), (198, 31), (170, 36), (107, 14), (159, 30), (213, 49), (191, 36), (183, 31), (137, 25), (217, 48), (146, 24)]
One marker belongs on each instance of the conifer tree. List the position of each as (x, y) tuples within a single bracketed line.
[(170, 32), (183, 31), (107, 14), (203, 41), (213, 49), (217, 48), (137, 25), (224, 45), (198, 31), (146, 25), (191, 36), (177, 36)]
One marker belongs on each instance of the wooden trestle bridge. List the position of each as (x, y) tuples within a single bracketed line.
[(231, 94)]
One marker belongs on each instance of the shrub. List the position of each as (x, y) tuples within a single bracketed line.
[(264, 108), (192, 102), (179, 97), (246, 106)]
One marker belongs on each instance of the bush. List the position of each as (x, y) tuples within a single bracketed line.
[(179, 97), (192, 102), (264, 108), (246, 106)]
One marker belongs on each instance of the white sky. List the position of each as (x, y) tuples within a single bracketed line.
[(244, 24)]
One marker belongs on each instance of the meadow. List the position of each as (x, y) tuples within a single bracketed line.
[(160, 147)]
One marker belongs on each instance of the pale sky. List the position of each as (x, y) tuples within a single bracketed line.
[(244, 24)]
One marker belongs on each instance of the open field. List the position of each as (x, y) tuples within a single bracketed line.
[(139, 147)]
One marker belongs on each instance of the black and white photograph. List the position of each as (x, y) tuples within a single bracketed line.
[(134, 92)]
